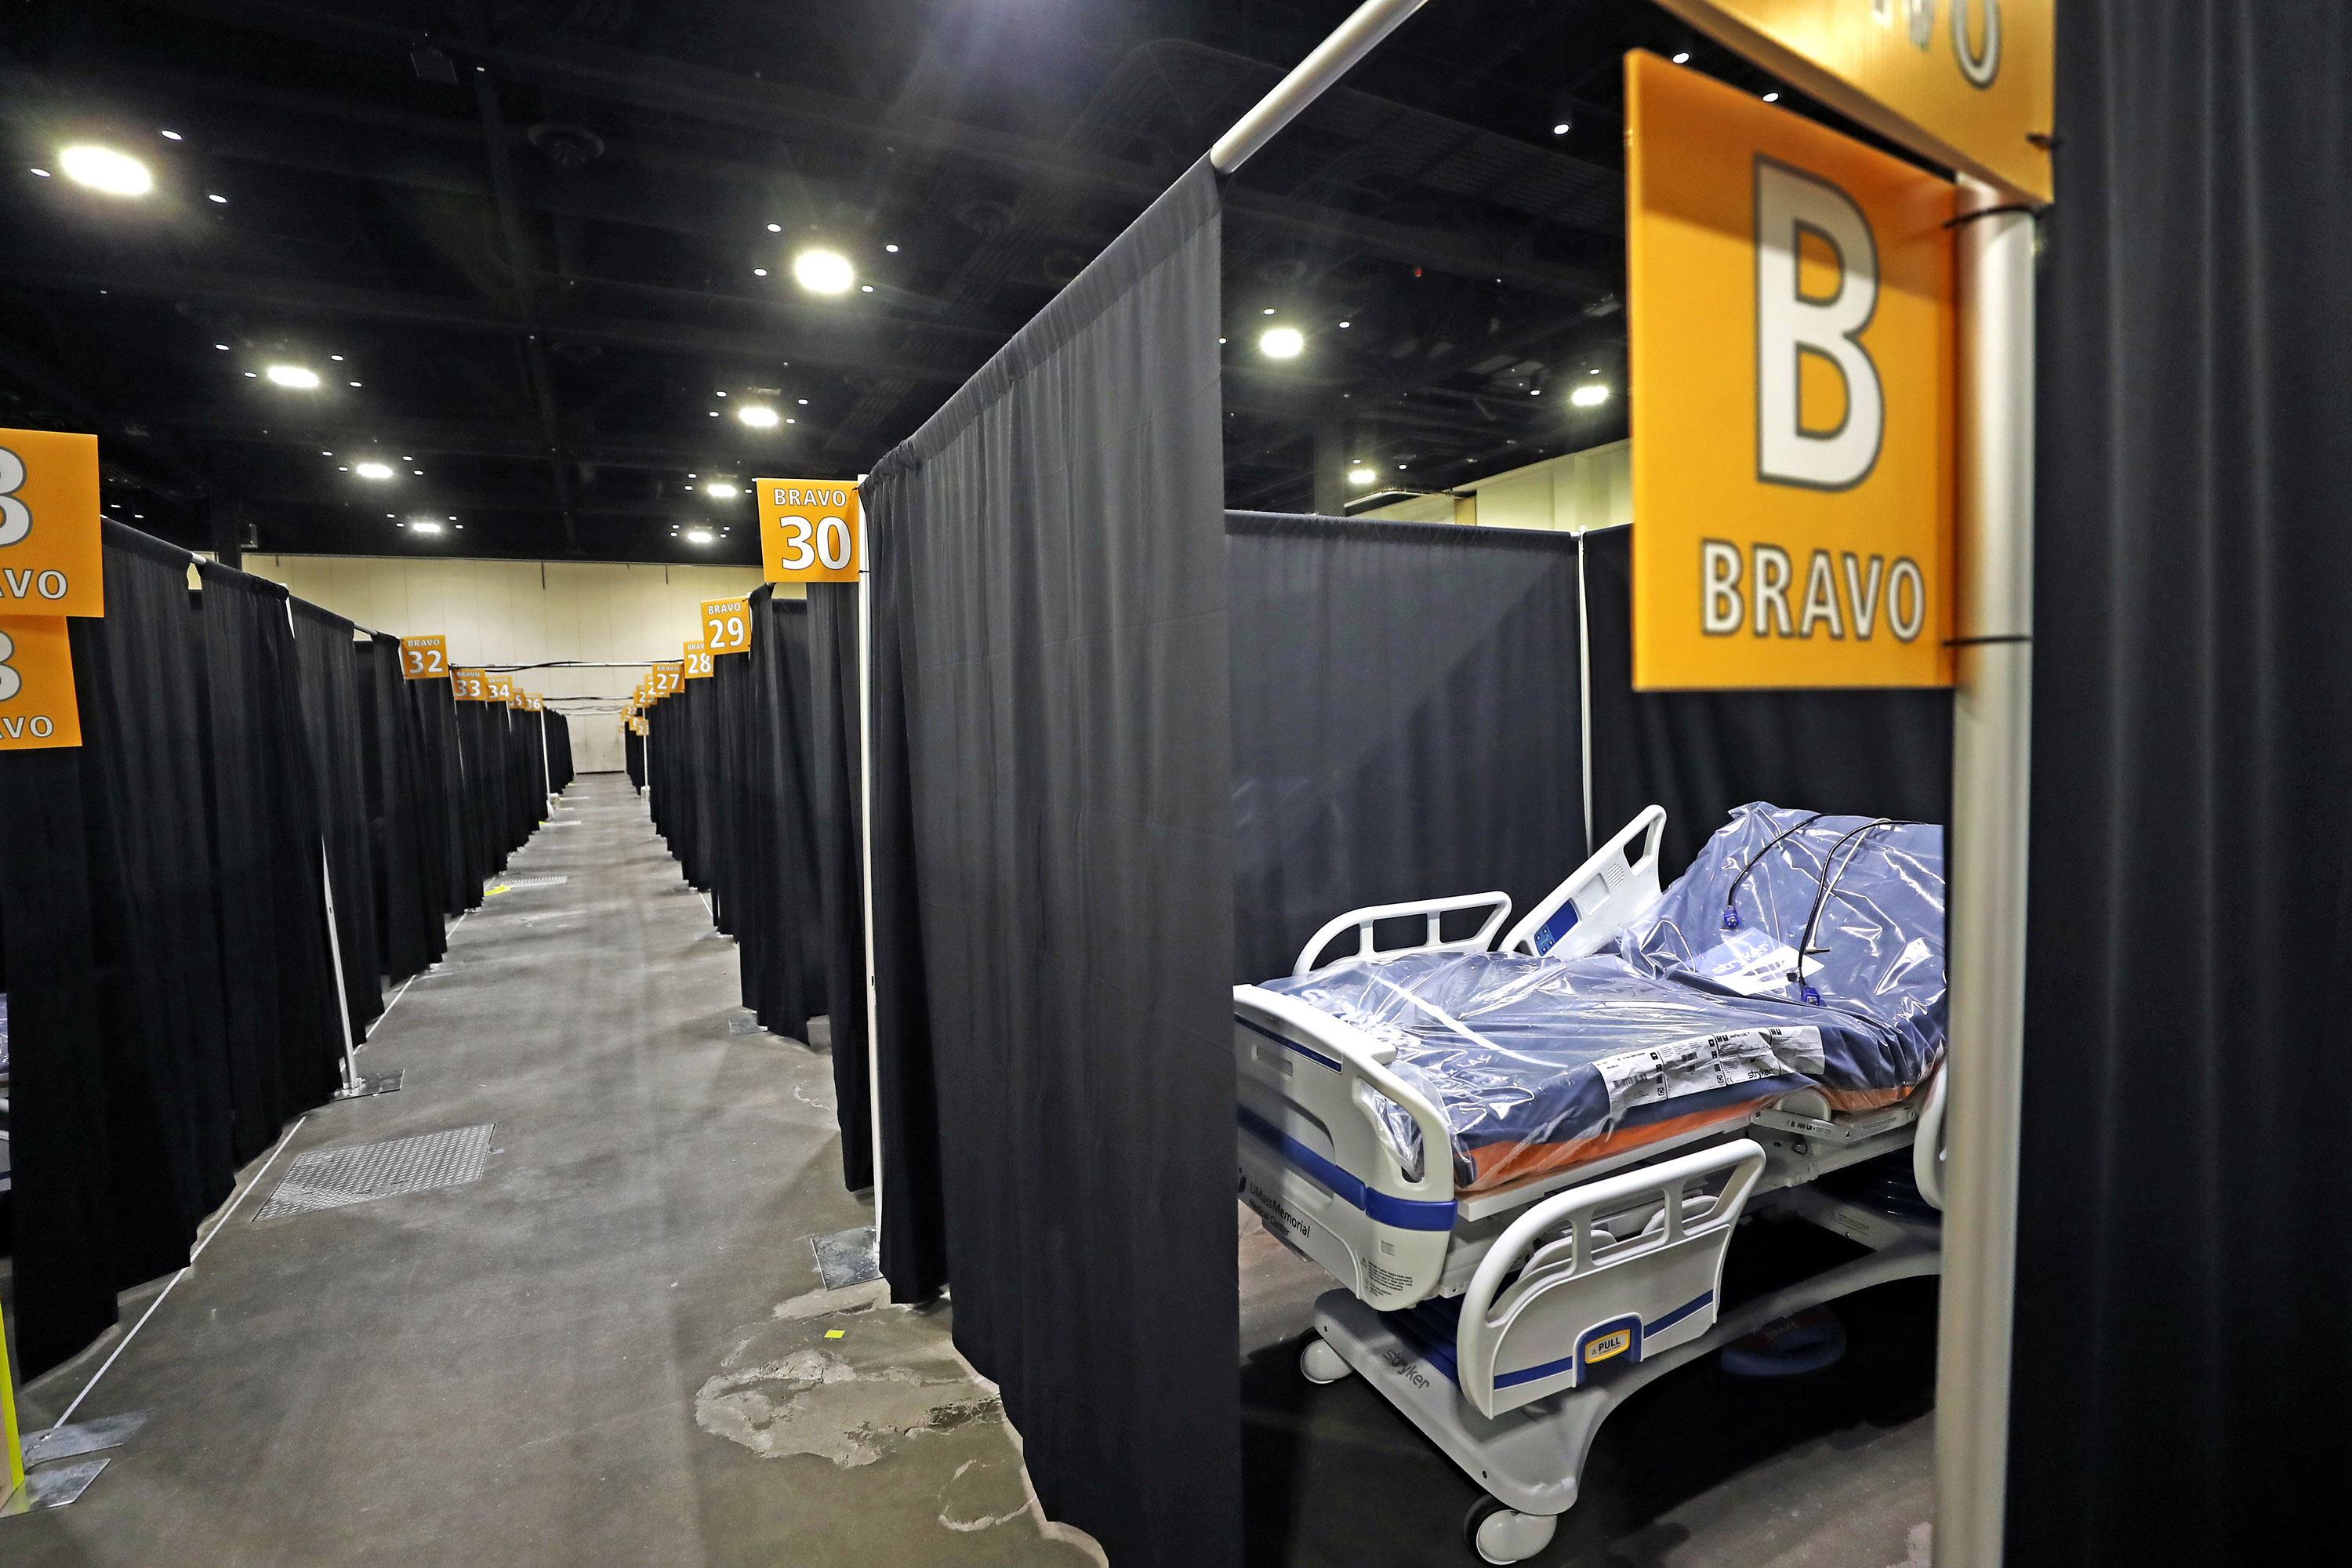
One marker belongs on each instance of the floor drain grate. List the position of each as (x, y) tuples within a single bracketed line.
[(845, 1258), (329, 1178)]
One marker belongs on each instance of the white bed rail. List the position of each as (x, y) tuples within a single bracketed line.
[(1587, 1298), (1600, 899), (1434, 910), (1318, 1163)]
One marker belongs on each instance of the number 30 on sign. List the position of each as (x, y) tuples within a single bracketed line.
[(808, 530)]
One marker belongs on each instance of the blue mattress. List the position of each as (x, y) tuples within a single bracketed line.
[(1691, 1015)]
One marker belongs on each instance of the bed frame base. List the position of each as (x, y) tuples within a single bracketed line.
[(1532, 1458)]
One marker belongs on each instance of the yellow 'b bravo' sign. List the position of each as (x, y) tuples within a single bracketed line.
[(37, 709), (49, 550), (1791, 333), (808, 530)]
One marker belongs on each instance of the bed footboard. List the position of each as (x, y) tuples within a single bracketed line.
[(1562, 1296), (1316, 1164)]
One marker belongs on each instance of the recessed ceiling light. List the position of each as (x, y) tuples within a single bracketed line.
[(891, 248), (758, 417), (720, 489), (43, 172), (1281, 342), (824, 271), (1683, 59), (1560, 129), (293, 375), (375, 470), (249, 375), (1591, 396), (104, 169), (714, 414), (170, 136), (1362, 476), (775, 228), (698, 536), (789, 420), (1772, 98), (1268, 311), (1536, 392), (802, 401), (355, 384), (865, 288), (1346, 324), (337, 358), (424, 526), (758, 272), (215, 196), (720, 394)]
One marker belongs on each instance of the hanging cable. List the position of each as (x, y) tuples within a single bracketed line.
[(1730, 912)]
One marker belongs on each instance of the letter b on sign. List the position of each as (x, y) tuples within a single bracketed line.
[(1801, 315)]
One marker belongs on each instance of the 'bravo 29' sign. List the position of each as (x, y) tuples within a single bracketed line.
[(1792, 335), (808, 530)]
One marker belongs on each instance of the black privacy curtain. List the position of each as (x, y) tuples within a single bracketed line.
[(1054, 897), (169, 997), (2184, 1276), (1405, 721), (833, 805)]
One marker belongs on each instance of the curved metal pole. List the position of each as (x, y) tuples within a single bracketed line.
[(1332, 59)]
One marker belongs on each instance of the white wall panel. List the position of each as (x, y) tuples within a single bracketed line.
[(529, 612)]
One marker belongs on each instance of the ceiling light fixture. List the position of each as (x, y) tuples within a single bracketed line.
[(775, 228), (1562, 129), (1589, 397), (720, 489), (1362, 476), (375, 470), (170, 136), (104, 169), (824, 271), (422, 526), (757, 415), (1346, 324), (1281, 342), (758, 272), (43, 172), (1772, 98), (215, 196), (698, 536), (865, 288), (1683, 59), (891, 248), (293, 375)]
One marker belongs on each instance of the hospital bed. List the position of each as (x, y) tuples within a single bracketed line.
[(1525, 1158)]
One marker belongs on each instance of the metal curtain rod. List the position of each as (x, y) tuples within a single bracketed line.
[(1333, 57)]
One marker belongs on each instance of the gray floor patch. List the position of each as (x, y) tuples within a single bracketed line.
[(329, 1178), (744, 1027), (845, 1258)]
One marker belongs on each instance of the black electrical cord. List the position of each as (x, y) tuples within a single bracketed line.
[(1827, 882), (1730, 912)]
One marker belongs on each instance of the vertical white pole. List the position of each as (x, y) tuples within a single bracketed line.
[(866, 851), (1584, 694), (343, 995), (546, 771), (1991, 739)]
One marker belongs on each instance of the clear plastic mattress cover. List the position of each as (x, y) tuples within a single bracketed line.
[(1692, 1015)]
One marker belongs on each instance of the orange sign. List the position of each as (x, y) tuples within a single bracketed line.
[(469, 686), (423, 658), (727, 626), (501, 688), (1968, 83), (37, 709), (697, 661), (1792, 328), (50, 553), (808, 530), (667, 679)]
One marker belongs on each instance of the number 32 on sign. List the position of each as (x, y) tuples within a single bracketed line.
[(809, 530)]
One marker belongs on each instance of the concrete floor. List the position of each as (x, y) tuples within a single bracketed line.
[(612, 1349)]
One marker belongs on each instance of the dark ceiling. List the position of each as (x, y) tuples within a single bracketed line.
[(518, 241)]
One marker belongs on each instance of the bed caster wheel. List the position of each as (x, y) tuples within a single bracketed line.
[(1500, 1535), (1318, 1363)]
